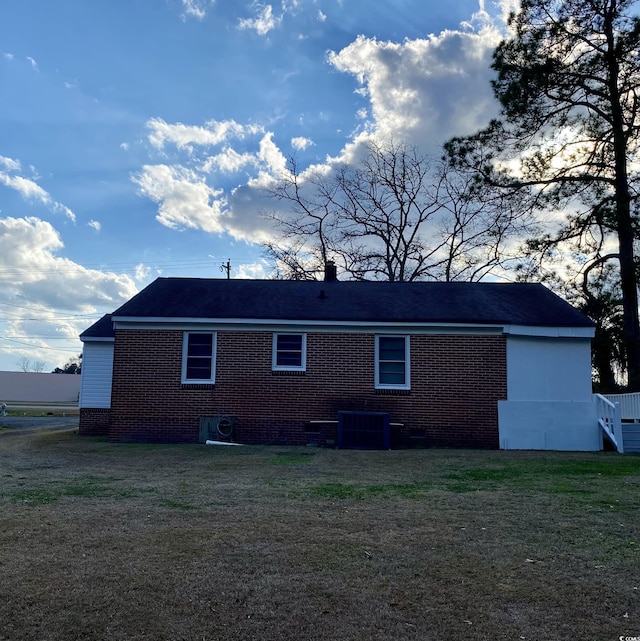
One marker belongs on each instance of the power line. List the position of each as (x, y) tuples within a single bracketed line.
[(123, 267), (39, 347), (41, 337)]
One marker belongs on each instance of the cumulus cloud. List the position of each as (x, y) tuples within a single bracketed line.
[(28, 188), (29, 251), (94, 224), (427, 89), (185, 189), (264, 22), (423, 90), (186, 136), (301, 143), (253, 270), (46, 295), (272, 162), (228, 161), (185, 200)]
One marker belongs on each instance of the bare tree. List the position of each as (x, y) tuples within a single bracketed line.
[(27, 365), (397, 215)]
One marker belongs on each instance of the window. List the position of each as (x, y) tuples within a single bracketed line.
[(198, 357), (289, 352), (392, 362)]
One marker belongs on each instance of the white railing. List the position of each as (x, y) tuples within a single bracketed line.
[(609, 419), (629, 405)]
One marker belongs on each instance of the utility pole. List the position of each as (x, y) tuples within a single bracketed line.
[(226, 267)]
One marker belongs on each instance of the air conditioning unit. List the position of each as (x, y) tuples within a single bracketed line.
[(364, 430), (216, 428)]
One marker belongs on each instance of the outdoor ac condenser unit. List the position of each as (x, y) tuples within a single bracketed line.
[(216, 428), (364, 430)]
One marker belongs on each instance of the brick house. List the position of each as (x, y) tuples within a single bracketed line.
[(482, 365)]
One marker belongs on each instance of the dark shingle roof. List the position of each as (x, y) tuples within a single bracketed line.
[(100, 329), (477, 303)]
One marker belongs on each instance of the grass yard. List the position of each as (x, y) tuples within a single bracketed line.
[(102, 541)]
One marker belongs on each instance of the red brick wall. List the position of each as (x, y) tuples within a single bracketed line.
[(148, 401), (456, 381), (94, 421)]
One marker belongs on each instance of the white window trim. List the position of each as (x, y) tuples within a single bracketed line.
[(274, 353), (407, 362), (185, 345)]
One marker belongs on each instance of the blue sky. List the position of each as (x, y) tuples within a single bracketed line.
[(137, 136)]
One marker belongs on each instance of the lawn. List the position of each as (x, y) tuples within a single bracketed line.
[(104, 541)]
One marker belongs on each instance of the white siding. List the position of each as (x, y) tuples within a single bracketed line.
[(548, 369), (549, 403), (97, 372), (548, 425)]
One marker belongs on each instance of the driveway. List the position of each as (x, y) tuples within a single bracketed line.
[(20, 424)]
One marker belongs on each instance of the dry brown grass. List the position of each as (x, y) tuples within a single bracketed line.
[(101, 541)]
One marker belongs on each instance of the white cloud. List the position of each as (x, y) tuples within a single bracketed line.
[(33, 63), (185, 200), (184, 189), (291, 6), (273, 159), (301, 142), (195, 9), (44, 294), (94, 224), (29, 247), (186, 136), (264, 22), (142, 273), (228, 161), (63, 209), (29, 188), (8, 56), (425, 90), (10, 164), (321, 16), (253, 271)]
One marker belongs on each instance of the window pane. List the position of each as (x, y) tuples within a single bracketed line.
[(391, 348), (289, 359), (289, 351), (199, 365), (199, 368), (290, 342), (392, 360), (200, 344), (392, 373)]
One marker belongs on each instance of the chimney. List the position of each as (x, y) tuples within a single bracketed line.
[(330, 271)]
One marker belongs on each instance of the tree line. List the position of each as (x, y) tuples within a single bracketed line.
[(72, 366)]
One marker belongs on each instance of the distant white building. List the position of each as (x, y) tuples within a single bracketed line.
[(32, 387)]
